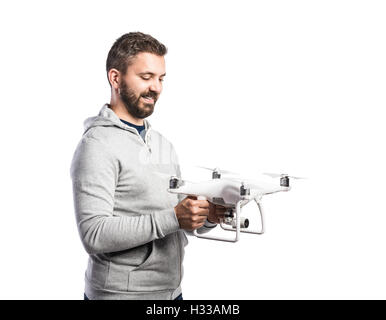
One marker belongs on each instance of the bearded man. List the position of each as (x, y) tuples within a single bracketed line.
[(131, 227)]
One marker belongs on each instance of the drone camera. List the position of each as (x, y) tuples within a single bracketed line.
[(244, 223), (284, 181), (173, 182)]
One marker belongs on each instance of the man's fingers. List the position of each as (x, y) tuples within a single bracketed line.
[(202, 203), (199, 225), (201, 219), (198, 203), (201, 212)]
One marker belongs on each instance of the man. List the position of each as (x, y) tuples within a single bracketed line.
[(131, 227)]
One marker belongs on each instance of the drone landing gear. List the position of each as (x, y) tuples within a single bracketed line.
[(237, 225), (261, 231)]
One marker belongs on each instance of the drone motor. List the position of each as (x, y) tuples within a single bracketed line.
[(284, 181), (216, 174), (174, 182), (244, 191)]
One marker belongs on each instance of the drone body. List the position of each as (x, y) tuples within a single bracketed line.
[(225, 192), (232, 194)]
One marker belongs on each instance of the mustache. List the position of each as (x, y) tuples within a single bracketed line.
[(150, 94)]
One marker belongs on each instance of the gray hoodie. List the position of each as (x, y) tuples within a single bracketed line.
[(125, 215)]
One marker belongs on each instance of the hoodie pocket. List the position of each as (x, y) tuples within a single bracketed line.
[(121, 263), (160, 271)]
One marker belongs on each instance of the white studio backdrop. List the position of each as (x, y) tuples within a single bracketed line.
[(251, 86)]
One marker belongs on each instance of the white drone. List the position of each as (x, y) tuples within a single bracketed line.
[(232, 194)]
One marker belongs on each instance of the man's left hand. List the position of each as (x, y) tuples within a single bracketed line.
[(216, 213)]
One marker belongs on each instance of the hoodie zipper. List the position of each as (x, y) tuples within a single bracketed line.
[(177, 238), (145, 143)]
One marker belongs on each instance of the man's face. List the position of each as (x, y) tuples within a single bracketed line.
[(141, 87)]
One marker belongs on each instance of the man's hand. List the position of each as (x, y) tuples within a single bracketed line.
[(216, 213), (192, 213)]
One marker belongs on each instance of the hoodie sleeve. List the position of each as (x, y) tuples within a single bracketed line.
[(94, 174)]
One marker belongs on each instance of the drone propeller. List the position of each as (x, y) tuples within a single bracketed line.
[(247, 183), (283, 175), (169, 176), (218, 170)]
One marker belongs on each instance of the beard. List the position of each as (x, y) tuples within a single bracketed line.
[(132, 102)]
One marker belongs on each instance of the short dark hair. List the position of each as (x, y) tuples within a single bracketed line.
[(128, 46)]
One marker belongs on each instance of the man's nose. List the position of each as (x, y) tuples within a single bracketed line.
[(156, 86)]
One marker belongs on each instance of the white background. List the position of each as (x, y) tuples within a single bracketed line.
[(277, 86)]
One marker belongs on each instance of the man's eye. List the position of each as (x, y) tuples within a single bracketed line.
[(161, 80), (146, 78)]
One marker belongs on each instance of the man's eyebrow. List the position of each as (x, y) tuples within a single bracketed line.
[(151, 73)]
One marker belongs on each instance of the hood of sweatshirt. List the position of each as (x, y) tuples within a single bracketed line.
[(107, 118)]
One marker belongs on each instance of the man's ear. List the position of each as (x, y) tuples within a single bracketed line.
[(114, 77)]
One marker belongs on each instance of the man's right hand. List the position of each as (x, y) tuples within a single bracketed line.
[(192, 213)]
